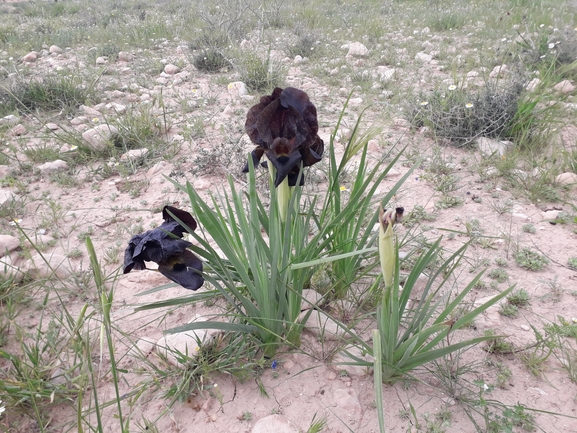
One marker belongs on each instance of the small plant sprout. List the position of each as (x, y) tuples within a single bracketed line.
[(529, 228), (496, 344), (519, 298), (498, 274), (528, 259), (508, 310)]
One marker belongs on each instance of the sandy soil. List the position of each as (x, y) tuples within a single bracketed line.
[(305, 383)]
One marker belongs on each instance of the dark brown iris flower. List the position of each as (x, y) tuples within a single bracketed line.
[(165, 246), (284, 127)]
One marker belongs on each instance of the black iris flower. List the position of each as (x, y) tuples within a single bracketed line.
[(284, 127), (164, 245)]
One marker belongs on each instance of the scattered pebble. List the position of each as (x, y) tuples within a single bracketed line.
[(565, 87), (10, 120), (30, 57), (499, 71), (171, 69), (357, 49), (423, 57), (53, 166), (18, 130), (134, 154)]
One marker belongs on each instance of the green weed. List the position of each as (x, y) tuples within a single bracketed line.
[(528, 259), (260, 74)]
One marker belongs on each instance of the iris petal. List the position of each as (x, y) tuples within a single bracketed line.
[(183, 268), (286, 116), (164, 246)]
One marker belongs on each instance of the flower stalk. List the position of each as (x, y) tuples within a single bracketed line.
[(284, 193)]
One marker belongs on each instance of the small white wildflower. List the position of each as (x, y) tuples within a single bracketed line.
[(551, 45), (469, 105), (96, 120), (424, 103), (541, 26), (216, 385), (452, 87)]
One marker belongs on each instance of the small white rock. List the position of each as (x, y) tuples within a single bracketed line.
[(310, 298), (10, 120), (157, 168), (98, 137), (116, 107), (18, 130), (567, 178), (356, 49), (237, 89), (565, 87), (423, 57), (10, 268), (550, 214), (90, 112), (533, 84), (6, 196), (8, 244), (274, 423), (499, 71), (171, 69), (134, 154), (490, 146), (30, 57), (123, 56), (51, 166)]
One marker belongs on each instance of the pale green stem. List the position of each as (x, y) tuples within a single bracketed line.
[(378, 378), (283, 192)]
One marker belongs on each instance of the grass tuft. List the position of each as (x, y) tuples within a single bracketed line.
[(260, 74), (52, 93)]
